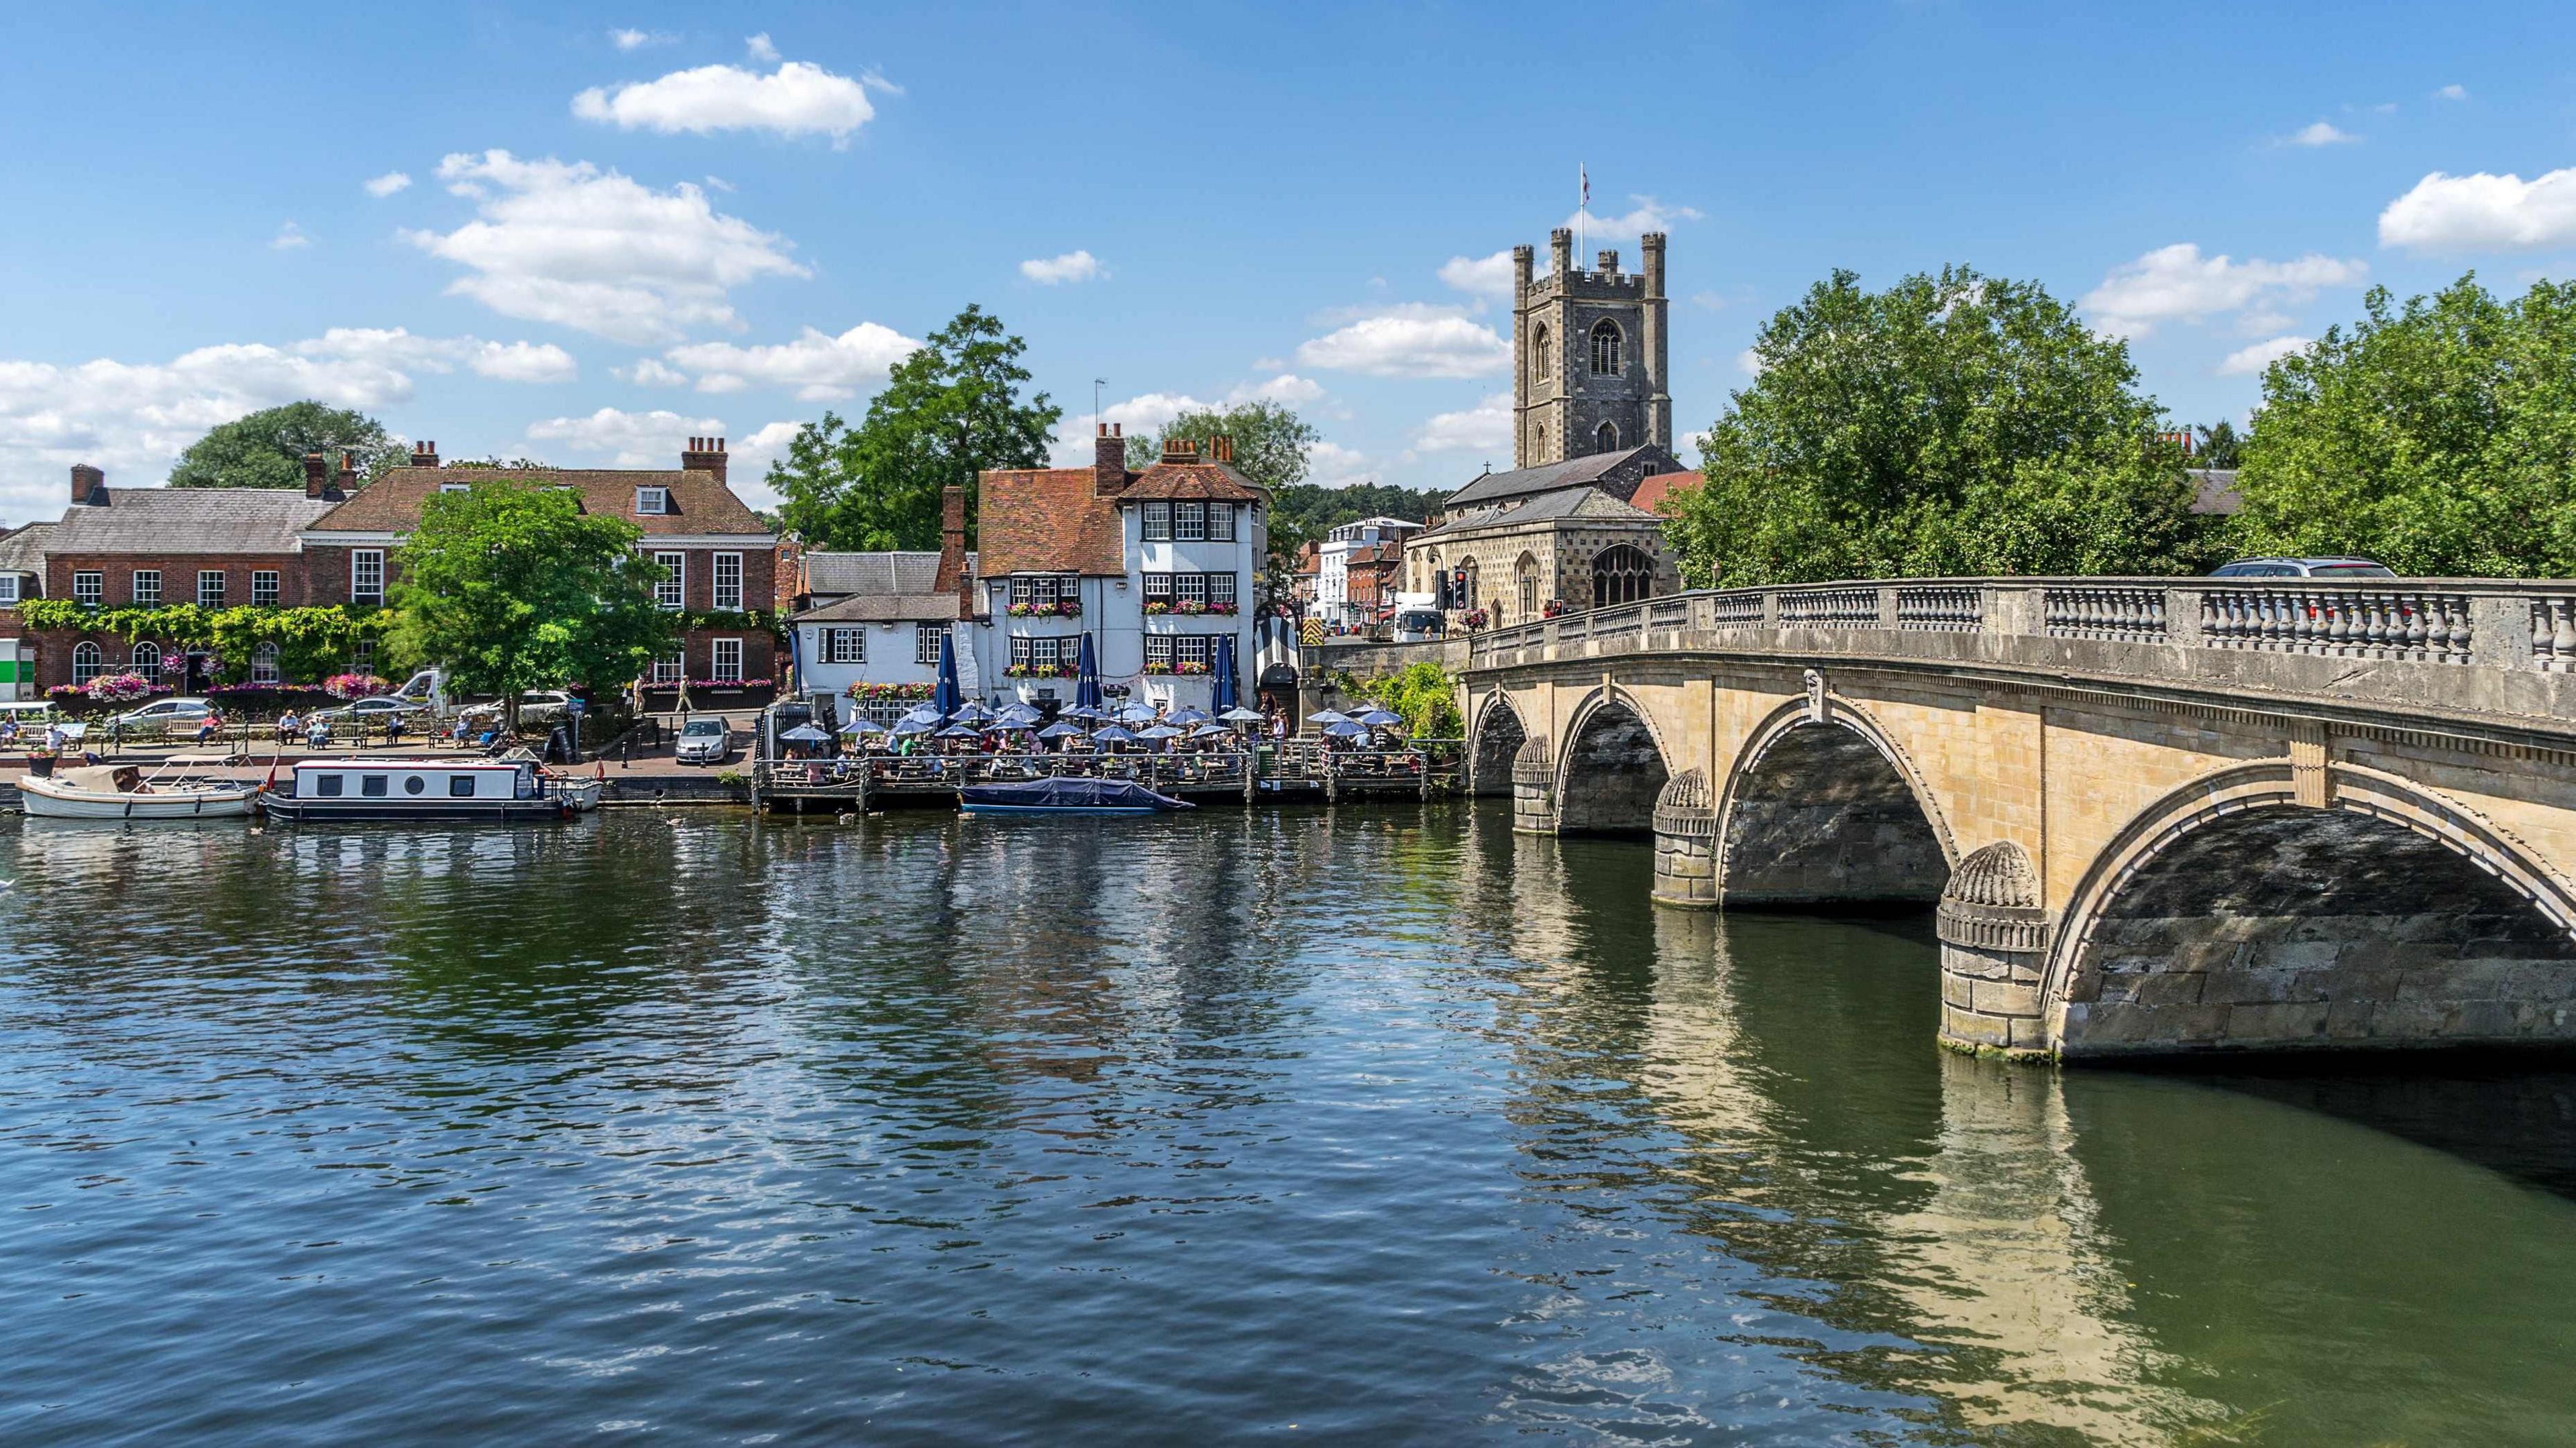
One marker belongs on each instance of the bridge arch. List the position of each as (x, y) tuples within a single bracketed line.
[(2254, 909), (1823, 806), (1494, 740), (1613, 767)]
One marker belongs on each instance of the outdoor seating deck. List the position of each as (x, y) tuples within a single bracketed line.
[(1296, 768)]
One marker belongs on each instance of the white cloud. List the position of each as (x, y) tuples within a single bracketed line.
[(759, 48), (289, 237), (1648, 214), (821, 368), (1486, 277), (2483, 213), (2319, 133), (650, 372), (387, 184), (1486, 428), (1073, 266), (399, 347), (1331, 465), (1287, 388), (597, 251), (2452, 93), (638, 39), (2246, 360), (2177, 283), (631, 439), (1749, 362), (747, 468), (1410, 341), (133, 419), (799, 99)]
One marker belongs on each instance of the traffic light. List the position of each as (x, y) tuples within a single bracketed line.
[(1458, 588)]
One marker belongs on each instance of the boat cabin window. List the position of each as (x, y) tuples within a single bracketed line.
[(372, 785), (327, 784), (414, 784), (460, 786)]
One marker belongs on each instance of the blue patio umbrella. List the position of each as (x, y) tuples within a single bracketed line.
[(1060, 731), (925, 714), (1347, 729), (1225, 696), (1086, 678), (1211, 731), (1240, 715), (1087, 711), (971, 712), (1328, 717), (863, 726), (806, 734), (1012, 726), (1159, 731), (1114, 735), (1186, 717), (1380, 718), (946, 697), (912, 725), (1135, 714), (955, 731)]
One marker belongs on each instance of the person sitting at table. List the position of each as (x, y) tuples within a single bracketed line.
[(288, 725), (209, 726), (317, 733)]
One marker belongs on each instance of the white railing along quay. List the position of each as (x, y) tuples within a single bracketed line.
[(2485, 646)]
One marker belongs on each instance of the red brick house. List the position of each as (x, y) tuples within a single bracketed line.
[(722, 558)]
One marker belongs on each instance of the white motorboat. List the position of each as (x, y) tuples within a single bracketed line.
[(177, 789)]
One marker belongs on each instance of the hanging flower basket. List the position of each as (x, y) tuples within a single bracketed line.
[(354, 686), (119, 688)]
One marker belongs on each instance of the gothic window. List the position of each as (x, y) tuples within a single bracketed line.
[(1621, 574), (147, 661), (1606, 439), (1605, 348), (86, 662), (1540, 366), (1525, 585)]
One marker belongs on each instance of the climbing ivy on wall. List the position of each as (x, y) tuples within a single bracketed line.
[(311, 641)]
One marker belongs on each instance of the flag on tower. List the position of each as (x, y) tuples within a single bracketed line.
[(1583, 175)]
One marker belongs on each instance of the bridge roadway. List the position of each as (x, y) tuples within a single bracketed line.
[(2154, 815)]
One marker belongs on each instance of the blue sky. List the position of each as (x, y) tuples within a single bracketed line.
[(592, 232)]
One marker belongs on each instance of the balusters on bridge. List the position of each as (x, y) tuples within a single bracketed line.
[(2135, 615), (2553, 635)]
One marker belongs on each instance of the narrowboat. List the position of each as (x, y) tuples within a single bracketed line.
[(502, 790), (177, 790), (1067, 796)]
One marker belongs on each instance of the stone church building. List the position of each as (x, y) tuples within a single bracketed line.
[(1592, 420)]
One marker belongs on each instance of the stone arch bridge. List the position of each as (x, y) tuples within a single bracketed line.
[(2151, 815)]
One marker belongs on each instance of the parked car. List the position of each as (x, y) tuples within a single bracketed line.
[(2303, 568), (705, 739), (185, 713), (539, 707), (374, 711)]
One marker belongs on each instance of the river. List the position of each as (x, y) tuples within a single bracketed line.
[(1375, 1126)]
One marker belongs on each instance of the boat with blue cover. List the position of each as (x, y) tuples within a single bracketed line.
[(1075, 796)]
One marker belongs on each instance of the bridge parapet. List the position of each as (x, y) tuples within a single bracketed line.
[(2464, 646)]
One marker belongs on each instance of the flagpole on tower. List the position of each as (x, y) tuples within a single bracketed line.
[(1582, 209)]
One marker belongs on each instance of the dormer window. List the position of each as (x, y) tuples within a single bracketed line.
[(653, 501), (456, 487)]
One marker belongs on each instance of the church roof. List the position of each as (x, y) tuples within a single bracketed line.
[(1546, 478), (1651, 493), (1588, 504)]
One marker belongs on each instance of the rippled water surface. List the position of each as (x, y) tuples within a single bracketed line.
[(1383, 1127)]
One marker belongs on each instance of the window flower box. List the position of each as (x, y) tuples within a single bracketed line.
[(1040, 671), (1226, 609), (1156, 605), (1189, 606), (892, 693), (1191, 668), (1157, 668)]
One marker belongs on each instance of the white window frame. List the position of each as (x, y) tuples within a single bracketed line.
[(362, 656), (1189, 522), (263, 664), (88, 661), (1220, 588), (149, 668), (89, 586), (925, 642), (210, 588), (1158, 520), (1158, 649), (144, 587), (653, 502), (1158, 587), (672, 667), (1220, 522), (724, 660), (9, 587), (845, 645), (367, 575), (267, 586), (1189, 588), (673, 591), (1191, 649), (721, 593)]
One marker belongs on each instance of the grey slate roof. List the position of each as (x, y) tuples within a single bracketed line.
[(24, 550), (188, 520), (1588, 503), (2214, 492), (831, 575), (1547, 477), (877, 607)]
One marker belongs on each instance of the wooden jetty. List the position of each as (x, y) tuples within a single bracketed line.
[(1296, 769)]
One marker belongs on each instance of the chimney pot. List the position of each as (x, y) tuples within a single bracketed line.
[(317, 475), (89, 486)]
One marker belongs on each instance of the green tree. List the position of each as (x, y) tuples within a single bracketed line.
[(2218, 446), (948, 412), (266, 449), (2438, 438), (511, 586), (1271, 442), (1952, 424), (1425, 696)]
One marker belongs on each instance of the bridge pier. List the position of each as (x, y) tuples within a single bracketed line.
[(1534, 789), (1994, 950), (1686, 843)]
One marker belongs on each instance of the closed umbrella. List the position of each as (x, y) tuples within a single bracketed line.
[(1086, 678), (946, 697), (1224, 697)]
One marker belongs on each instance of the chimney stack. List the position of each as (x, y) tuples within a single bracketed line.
[(424, 454), (1221, 449), (1109, 460), (952, 549), (1181, 450), (89, 486), (347, 482), (705, 455), (317, 475)]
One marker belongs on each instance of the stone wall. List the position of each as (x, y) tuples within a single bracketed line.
[(1822, 818), (1613, 776)]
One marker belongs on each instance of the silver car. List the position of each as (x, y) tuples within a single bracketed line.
[(2303, 568), (704, 740)]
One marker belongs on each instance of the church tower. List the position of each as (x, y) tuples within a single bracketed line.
[(1590, 369)]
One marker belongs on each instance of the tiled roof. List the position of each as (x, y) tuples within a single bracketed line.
[(1548, 477), (1047, 520), (24, 550), (700, 504), (1654, 489), (1213, 481), (831, 575), (874, 607), (1589, 504), (187, 520)]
